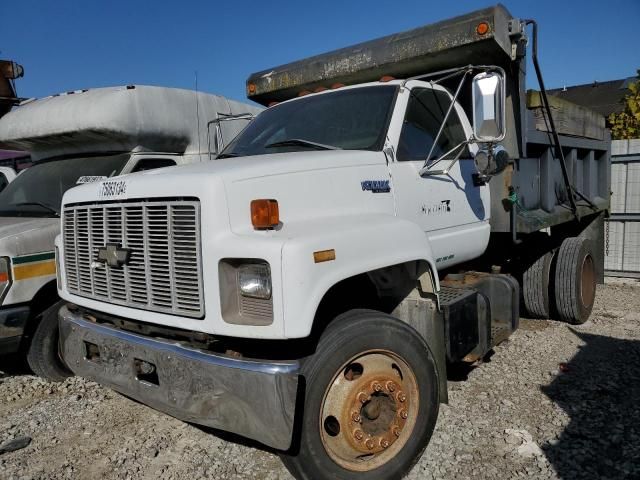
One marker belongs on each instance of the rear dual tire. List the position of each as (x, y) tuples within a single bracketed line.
[(536, 282), (575, 280), (562, 282)]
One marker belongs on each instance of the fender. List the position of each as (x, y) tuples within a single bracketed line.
[(30, 273), (361, 243)]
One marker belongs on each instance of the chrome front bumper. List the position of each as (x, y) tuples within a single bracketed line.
[(253, 399)]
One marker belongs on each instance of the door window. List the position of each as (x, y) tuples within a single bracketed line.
[(425, 111)]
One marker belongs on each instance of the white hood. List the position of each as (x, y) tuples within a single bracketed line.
[(23, 236)]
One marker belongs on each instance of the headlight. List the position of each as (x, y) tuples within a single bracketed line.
[(5, 276), (254, 280)]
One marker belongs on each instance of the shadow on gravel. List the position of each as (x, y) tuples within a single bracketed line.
[(13, 365), (459, 372), (232, 437), (600, 390)]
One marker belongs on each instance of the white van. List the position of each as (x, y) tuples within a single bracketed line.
[(82, 137)]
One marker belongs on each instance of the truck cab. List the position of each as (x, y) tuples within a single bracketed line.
[(397, 123)]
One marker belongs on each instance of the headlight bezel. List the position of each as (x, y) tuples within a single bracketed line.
[(244, 308), (5, 285), (58, 272)]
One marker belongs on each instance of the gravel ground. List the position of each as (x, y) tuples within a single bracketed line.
[(554, 401)]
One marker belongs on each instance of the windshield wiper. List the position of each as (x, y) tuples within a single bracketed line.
[(39, 204), (299, 142)]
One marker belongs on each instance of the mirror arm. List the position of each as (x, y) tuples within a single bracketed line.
[(446, 117), (425, 170), (449, 73), (223, 117)]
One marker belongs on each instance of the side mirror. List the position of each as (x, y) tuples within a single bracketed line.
[(489, 107), (491, 162)]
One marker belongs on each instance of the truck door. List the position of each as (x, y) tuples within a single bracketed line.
[(453, 212)]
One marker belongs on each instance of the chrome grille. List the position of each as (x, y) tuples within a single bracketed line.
[(163, 273)]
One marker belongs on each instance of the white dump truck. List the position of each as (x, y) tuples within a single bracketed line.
[(378, 222), (83, 137)]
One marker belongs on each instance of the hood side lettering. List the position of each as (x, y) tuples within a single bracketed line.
[(376, 186)]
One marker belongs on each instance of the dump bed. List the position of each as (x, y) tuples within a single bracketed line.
[(117, 119), (452, 43), (442, 45)]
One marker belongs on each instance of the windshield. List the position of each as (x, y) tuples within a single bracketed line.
[(37, 192), (351, 119)]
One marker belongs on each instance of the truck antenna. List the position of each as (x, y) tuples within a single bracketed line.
[(197, 109)]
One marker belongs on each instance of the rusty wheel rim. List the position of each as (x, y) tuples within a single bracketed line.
[(369, 410), (588, 284)]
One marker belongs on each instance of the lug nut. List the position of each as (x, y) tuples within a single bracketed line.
[(358, 435), (369, 443), (384, 443), (355, 416), (376, 387), (363, 397), (391, 386), (396, 431), (401, 396), (404, 414)]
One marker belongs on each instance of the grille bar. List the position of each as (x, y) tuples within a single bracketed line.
[(164, 272)]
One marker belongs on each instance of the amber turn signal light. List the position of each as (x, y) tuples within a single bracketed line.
[(265, 213), (324, 256), (482, 28)]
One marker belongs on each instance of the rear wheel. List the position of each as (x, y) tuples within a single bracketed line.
[(575, 280), (536, 281), (371, 401)]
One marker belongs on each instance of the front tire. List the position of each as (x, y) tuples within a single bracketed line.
[(371, 401), (43, 356)]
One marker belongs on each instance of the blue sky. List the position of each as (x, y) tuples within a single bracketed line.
[(66, 45)]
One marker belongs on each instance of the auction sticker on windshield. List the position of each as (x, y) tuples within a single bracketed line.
[(90, 179), (112, 188)]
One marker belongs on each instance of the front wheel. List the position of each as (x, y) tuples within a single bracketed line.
[(43, 356), (371, 401)]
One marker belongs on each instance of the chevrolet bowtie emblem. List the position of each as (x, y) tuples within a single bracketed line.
[(113, 255)]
